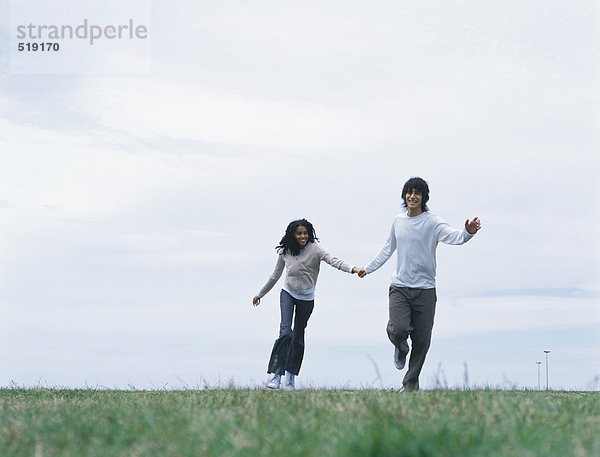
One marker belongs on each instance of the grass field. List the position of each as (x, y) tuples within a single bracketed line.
[(244, 422)]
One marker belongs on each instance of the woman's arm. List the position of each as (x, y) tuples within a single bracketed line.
[(271, 281), (337, 263)]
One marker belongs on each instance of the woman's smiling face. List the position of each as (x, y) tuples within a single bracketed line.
[(301, 236)]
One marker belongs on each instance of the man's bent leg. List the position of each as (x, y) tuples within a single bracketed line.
[(399, 325), (423, 313)]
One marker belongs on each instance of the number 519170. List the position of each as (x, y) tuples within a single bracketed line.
[(38, 47)]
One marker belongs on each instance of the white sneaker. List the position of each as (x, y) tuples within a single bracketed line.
[(290, 380), (274, 382)]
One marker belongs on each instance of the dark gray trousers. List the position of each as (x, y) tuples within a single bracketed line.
[(411, 315)]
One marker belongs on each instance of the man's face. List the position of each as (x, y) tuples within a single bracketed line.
[(414, 198)]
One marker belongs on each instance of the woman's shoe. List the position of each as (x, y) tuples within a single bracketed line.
[(290, 380), (274, 382)]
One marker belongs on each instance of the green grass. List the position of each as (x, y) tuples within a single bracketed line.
[(238, 422)]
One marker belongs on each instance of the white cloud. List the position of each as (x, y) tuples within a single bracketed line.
[(513, 313), (163, 109)]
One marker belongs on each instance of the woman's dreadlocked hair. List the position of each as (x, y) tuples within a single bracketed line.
[(288, 242)]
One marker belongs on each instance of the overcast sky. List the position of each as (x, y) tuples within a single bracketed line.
[(139, 212)]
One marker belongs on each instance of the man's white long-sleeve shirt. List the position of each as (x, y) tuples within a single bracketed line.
[(415, 240)]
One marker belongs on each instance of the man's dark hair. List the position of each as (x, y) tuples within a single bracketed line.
[(289, 244), (420, 185)]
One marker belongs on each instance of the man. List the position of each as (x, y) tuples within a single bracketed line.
[(414, 236)]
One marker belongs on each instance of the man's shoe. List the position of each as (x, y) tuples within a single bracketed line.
[(290, 380), (399, 362), (410, 387), (274, 382)]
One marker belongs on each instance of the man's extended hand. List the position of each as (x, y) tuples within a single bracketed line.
[(472, 226)]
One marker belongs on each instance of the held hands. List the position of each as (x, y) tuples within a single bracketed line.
[(360, 271), (256, 300), (472, 226)]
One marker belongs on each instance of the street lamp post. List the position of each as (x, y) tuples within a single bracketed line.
[(539, 377), (547, 384)]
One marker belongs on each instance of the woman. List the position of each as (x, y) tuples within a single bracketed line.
[(301, 256)]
